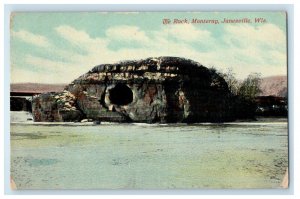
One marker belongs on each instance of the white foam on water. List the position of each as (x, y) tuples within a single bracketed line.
[(21, 117)]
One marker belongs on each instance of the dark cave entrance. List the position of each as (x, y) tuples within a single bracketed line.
[(120, 95)]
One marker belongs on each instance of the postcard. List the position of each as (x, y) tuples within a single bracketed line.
[(148, 100)]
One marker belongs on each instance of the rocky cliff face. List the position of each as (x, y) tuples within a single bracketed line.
[(163, 89), (55, 107)]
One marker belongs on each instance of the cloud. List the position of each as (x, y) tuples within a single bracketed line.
[(72, 35), (244, 48), (80, 38), (267, 35), (46, 71), (20, 75), (185, 33), (30, 38), (127, 33), (43, 64), (256, 49)]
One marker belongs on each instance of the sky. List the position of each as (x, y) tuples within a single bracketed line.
[(59, 47)]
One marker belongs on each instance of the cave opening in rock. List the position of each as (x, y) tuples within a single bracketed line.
[(120, 95)]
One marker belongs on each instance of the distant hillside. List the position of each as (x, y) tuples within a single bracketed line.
[(35, 87), (275, 86)]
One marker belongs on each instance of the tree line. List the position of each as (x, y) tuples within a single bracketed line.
[(248, 88)]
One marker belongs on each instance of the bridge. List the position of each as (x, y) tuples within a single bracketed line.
[(31, 89), (23, 94)]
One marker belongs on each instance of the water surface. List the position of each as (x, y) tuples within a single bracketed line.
[(141, 156)]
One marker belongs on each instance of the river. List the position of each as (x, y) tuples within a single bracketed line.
[(149, 156)]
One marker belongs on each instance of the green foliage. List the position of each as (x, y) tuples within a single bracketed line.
[(232, 82), (250, 87), (247, 89), (243, 93)]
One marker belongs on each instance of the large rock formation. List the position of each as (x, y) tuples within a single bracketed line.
[(163, 89)]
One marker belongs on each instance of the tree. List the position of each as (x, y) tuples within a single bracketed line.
[(243, 105), (232, 82), (250, 87)]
